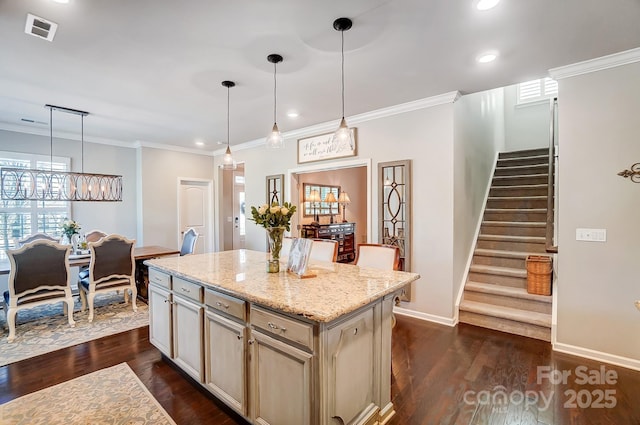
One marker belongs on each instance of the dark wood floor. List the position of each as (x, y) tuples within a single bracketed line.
[(440, 375)]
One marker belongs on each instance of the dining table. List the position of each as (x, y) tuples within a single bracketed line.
[(140, 254)]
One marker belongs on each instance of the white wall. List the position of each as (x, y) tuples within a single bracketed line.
[(478, 134), (159, 171), (599, 281), (426, 137), (526, 126)]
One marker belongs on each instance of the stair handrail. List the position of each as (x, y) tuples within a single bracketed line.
[(549, 239)]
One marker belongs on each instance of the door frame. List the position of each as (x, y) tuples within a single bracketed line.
[(330, 166), (208, 240)]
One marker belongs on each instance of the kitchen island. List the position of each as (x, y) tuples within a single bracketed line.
[(276, 348)]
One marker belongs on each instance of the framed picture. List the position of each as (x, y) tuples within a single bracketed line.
[(299, 256), (320, 148)]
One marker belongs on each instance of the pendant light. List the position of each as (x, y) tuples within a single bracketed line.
[(275, 140), (227, 162), (342, 136), (25, 184)]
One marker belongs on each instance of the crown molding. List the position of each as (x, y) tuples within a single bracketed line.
[(174, 148), (16, 128), (597, 64), (330, 126)]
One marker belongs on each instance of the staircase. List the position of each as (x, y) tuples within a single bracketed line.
[(514, 225)]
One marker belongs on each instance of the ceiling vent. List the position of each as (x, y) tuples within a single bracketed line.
[(40, 27)]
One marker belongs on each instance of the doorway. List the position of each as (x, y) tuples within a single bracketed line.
[(194, 210), (232, 207)]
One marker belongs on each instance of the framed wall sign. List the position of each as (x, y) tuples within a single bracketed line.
[(320, 148)]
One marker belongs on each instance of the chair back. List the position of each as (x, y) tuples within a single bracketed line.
[(35, 237), (286, 247), (40, 264), (94, 236), (378, 256), (324, 250), (189, 242), (111, 257)]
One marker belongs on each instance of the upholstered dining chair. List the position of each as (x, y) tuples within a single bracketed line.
[(286, 247), (189, 242), (112, 268), (39, 275), (378, 256), (35, 237), (94, 235), (324, 250)]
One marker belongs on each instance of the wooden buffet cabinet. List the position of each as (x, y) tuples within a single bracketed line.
[(343, 233), (278, 349)]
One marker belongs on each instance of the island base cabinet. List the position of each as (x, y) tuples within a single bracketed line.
[(352, 357), (160, 319), (187, 336), (225, 360), (281, 384)]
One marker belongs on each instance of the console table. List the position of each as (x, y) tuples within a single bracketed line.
[(343, 233)]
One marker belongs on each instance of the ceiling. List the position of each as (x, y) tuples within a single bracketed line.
[(150, 71)]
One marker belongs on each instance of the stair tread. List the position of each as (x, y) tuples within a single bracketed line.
[(506, 291), (498, 270), (535, 239), (515, 223), (521, 176), (516, 209), (503, 254), (520, 167), (518, 158), (516, 198), (522, 186), (524, 316)]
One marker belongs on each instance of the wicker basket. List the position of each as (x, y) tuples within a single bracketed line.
[(539, 274)]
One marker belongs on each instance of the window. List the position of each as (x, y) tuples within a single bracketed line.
[(321, 207), (535, 90), (23, 218)]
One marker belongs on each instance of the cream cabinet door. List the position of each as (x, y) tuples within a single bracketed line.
[(160, 319), (187, 336), (225, 360), (280, 382)]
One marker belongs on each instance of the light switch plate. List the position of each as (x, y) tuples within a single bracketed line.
[(591, 235)]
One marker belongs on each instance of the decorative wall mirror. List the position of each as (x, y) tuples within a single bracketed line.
[(275, 189), (315, 202), (394, 211)]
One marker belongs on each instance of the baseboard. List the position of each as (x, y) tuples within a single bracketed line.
[(597, 355), (448, 321)]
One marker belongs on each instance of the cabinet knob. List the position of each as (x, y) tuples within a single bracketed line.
[(276, 327), (219, 304), (251, 341), (239, 337)]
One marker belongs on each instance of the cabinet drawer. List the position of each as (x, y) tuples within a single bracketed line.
[(187, 289), (225, 303), (301, 333), (159, 278)]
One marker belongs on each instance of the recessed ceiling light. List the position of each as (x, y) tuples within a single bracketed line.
[(61, 1), (487, 57), (199, 143), (486, 4), (293, 114)]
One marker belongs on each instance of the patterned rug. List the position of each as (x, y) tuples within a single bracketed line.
[(109, 396), (45, 328)]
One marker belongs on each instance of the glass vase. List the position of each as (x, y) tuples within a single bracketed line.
[(275, 246)]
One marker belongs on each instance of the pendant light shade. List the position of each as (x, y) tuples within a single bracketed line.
[(343, 135), (227, 161), (275, 139)]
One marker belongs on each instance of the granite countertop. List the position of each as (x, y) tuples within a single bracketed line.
[(336, 290)]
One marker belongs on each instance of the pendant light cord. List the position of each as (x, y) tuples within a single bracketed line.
[(228, 118), (51, 139), (82, 143), (275, 92), (342, 33)]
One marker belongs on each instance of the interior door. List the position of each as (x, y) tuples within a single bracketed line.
[(239, 218), (195, 205)]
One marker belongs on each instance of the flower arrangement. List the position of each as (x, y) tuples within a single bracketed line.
[(275, 219), (274, 215), (70, 227)]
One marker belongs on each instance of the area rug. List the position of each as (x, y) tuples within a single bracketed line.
[(109, 396), (45, 328)]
